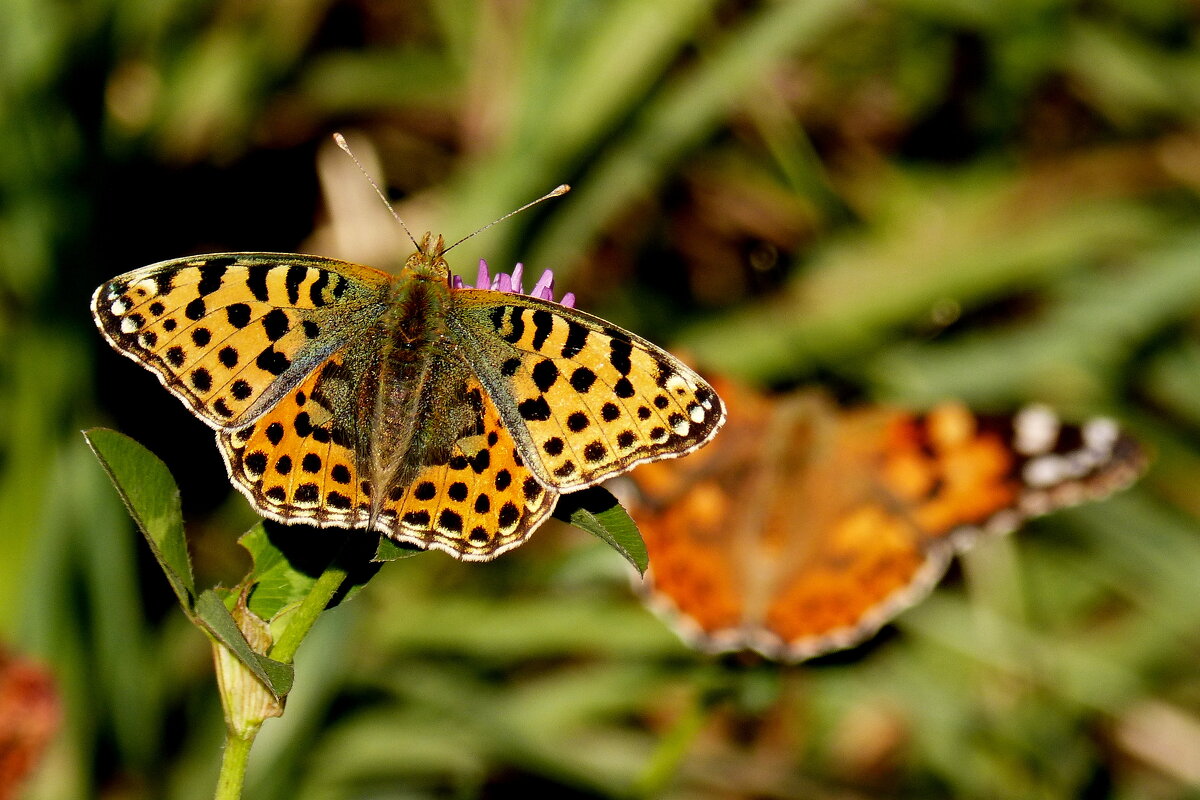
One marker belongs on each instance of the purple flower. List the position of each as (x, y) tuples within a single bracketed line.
[(503, 282)]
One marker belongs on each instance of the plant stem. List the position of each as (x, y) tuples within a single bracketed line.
[(238, 742), (233, 765), (322, 591)]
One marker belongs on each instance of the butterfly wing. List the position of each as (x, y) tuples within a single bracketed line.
[(300, 462), (584, 399), (230, 334), (936, 482)]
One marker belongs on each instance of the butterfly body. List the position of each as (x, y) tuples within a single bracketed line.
[(445, 417)]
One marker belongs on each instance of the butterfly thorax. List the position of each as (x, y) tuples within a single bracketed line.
[(411, 401)]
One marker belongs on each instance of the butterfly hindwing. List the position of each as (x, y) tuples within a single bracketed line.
[(230, 333), (480, 501), (298, 463), (585, 399)]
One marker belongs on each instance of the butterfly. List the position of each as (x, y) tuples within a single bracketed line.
[(438, 414), (807, 527)]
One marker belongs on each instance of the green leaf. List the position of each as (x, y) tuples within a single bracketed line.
[(276, 584), (390, 550), (152, 497), (216, 619), (596, 511), (288, 560)]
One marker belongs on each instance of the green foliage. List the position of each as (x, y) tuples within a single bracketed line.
[(152, 498), (598, 512), (905, 200)]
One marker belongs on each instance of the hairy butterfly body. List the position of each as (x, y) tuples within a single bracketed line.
[(443, 416)]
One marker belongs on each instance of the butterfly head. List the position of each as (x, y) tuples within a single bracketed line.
[(429, 262)]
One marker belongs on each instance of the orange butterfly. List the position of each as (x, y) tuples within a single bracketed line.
[(807, 527)]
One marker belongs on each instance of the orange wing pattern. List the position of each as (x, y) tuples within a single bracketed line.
[(298, 462)]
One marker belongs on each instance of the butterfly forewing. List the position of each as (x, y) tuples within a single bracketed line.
[(230, 333), (586, 399)]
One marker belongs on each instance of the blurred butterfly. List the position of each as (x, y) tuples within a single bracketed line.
[(807, 527)]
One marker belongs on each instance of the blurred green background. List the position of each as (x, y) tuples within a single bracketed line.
[(903, 201)]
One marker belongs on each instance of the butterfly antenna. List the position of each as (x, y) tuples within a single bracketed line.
[(557, 191), (341, 142)]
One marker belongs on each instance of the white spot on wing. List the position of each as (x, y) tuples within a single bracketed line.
[(1099, 435), (1046, 471), (147, 286), (676, 381), (1035, 430)]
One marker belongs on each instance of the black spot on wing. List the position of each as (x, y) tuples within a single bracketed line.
[(595, 451), (276, 324), (295, 276), (195, 310), (577, 336), (272, 361), (164, 281), (543, 324), (545, 374), (450, 521), (316, 291), (238, 315), (303, 424), (619, 352), (417, 519), (256, 281), (212, 275), (508, 322), (582, 379), (534, 409), (509, 514)]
